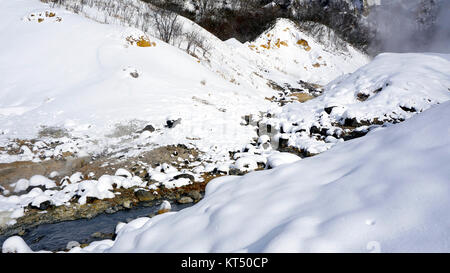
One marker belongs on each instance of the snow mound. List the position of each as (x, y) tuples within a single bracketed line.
[(278, 159), (385, 192), (15, 244), (390, 89)]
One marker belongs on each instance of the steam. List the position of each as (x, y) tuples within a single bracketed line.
[(411, 26)]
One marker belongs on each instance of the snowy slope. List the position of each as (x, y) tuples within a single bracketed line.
[(76, 74), (388, 192), (312, 58), (392, 88), (68, 73)]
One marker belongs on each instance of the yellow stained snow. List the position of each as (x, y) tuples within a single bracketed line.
[(40, 17), (269, 44), (304, 44), (141, 41)]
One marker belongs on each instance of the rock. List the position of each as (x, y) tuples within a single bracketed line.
[(314, 130), (283, 142), (236, 171), (45, 205), (100, 235), (173, 123), (407, 109), (351, 122), (134, 74), (124, 173), (72, 244), (21, 232), (362, 96), (111, 210), (184, 175), (144, 196), (247, 119), (324, 131), (149, 128), (185, 200), (90, 200), (127, 204), (196, 195), (165, 207), (328, 110)]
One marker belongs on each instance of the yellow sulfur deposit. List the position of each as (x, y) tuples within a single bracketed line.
[(141, 42), (305, 44)]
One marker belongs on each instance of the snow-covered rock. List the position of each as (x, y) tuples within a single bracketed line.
[(278, 159), (15, 244)]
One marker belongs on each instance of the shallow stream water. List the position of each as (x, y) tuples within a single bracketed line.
[(54, 237)]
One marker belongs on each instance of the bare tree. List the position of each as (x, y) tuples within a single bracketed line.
[(192, 39), (205, 7), (195, 41), (167, 25)]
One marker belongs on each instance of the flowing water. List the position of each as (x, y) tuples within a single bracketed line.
[(54, 237)]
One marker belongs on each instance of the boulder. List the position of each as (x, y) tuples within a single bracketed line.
[(185, 200), (144, 196), (184, 175), (149, 128), (172, 123), (72, 244), (196, 195)]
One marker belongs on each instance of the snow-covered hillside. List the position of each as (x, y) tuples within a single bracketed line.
[(390, 89), (388, 191), (79, 77), (352, 150), (87, 78)]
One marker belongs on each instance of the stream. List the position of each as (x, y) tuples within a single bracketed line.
[(54, 237)]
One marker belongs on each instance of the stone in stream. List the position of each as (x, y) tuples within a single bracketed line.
[(185, 200), (72, 244), (111, 210), (165, 207), (126, 204), (196, 195), (100, 235)]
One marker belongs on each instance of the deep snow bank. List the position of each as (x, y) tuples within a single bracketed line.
[(388, 191)]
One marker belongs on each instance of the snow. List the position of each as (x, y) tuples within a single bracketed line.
[(12, 206), (165, 206), (386, 191), (39, 180), (313, 62), (123, 172), (97, 104), (21, 185), (278, 159), (89, 94), (397, 86), (15, 244)]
